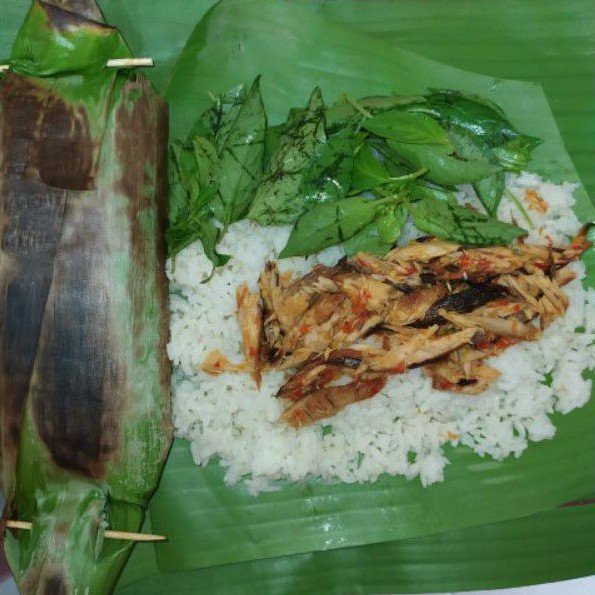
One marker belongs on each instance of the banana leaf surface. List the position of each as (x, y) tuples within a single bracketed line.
[(356, 47), (303, 49), (551, 546)]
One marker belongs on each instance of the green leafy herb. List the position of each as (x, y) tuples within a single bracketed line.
[(271, 142), (277, 199), (191, 195), (453, 222), (421, 190), (471, 114), (515, 154), (346, 109), (366, 240), (490, 189), (368, 172), (328, 175), (239, 139), (406, 127), (329, 224), (443, 168), (390, 222)]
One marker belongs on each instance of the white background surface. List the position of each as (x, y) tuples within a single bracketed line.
[(583, 586)]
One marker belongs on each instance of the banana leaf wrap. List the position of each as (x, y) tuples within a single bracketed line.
[(84, 376)]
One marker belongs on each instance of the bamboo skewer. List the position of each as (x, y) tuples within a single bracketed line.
[(109, 534), (114, 63), (129, 62)]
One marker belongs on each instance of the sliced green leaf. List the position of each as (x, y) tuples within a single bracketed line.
[(406, 127), (460, 224), (277, 199)]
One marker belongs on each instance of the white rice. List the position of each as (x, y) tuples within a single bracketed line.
[(402, 430)]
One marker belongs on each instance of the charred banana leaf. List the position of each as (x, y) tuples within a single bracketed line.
[(84, 377)]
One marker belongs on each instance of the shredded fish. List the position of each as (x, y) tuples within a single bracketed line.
[(431, 303)]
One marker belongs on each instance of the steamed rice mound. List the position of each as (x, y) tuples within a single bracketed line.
[(403, 429)]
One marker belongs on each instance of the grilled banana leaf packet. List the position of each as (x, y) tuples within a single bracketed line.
[(84, 376)]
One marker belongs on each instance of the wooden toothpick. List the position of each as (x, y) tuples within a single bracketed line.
[(109, 534), (115, 63)]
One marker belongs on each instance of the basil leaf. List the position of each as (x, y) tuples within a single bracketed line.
[(329, 224), (368, 172), (277, 200), (347, 110), (490, 189), (191, 196), (390, 223), (420, 191), (516, 153), (442, 167), (328, 176), (367, 240), (406, 127), (461, 224), (196, 223), (240, 146), (471, 114), (190, 172)]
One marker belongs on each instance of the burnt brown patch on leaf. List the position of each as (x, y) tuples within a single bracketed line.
[(141, 142), (65, 151), (67, 14), (55, 585), (31, 217), (78, 378)]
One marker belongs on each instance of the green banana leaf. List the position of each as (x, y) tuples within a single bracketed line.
[(546, 42), (301, 50), (551, 546), (85, 410)]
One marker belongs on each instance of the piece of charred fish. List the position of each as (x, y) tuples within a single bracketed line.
[(476, 264), (464, 299), (312, 377), (328, 401), (413, 306), (251, 326), (422, 250), (540, 292), (396, 273), (471, 378)]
